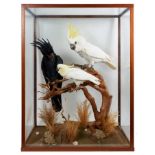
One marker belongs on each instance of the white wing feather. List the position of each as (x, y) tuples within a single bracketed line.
[(78, 74), (96, 52)]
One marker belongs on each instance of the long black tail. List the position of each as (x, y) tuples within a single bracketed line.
[(56, 103), (56, 100)]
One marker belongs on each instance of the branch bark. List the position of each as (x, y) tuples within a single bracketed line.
[(106, 97)]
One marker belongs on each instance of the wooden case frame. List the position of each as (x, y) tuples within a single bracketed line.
[(130, 7)]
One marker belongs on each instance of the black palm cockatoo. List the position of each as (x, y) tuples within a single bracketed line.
[(49, 68)]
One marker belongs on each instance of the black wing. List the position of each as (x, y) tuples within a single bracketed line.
[(49, 68)]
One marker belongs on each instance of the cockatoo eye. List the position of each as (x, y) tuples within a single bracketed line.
[(75, 42)]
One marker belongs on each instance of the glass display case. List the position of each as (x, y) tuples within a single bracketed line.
[(58, 113)]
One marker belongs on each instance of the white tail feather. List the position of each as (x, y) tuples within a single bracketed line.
[(110, 64), (95, 81)]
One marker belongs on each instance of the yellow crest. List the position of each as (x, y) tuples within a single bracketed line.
[(72, 31)]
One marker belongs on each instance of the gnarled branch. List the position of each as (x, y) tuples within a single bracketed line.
[(106, 97)]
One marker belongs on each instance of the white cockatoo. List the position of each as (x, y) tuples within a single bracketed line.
[(76, 74), (91, 53)]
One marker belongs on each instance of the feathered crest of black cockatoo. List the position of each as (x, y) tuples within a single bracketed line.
[(49, 68)]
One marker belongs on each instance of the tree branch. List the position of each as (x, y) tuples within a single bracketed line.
[(106, 97)]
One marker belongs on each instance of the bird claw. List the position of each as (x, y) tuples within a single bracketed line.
[(90, 66), (77, 87), (87, 66), (81, 87)]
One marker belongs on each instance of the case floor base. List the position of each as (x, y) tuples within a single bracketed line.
[(118, 138)]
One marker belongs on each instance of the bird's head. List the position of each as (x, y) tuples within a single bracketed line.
[(76, 41), (63, 69)]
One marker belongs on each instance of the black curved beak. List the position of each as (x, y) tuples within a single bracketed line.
[(72, 46)]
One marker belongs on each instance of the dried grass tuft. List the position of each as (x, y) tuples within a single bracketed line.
[(49, 116), (83, 113), (70, 131), (109, 124)]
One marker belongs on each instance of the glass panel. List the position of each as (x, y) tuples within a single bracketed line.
[(125, 73), (98, 32), (77, 11), (29, 75), (102, 33)]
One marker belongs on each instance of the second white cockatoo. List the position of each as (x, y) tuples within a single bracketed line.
[(91, 53), (76, 74)]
